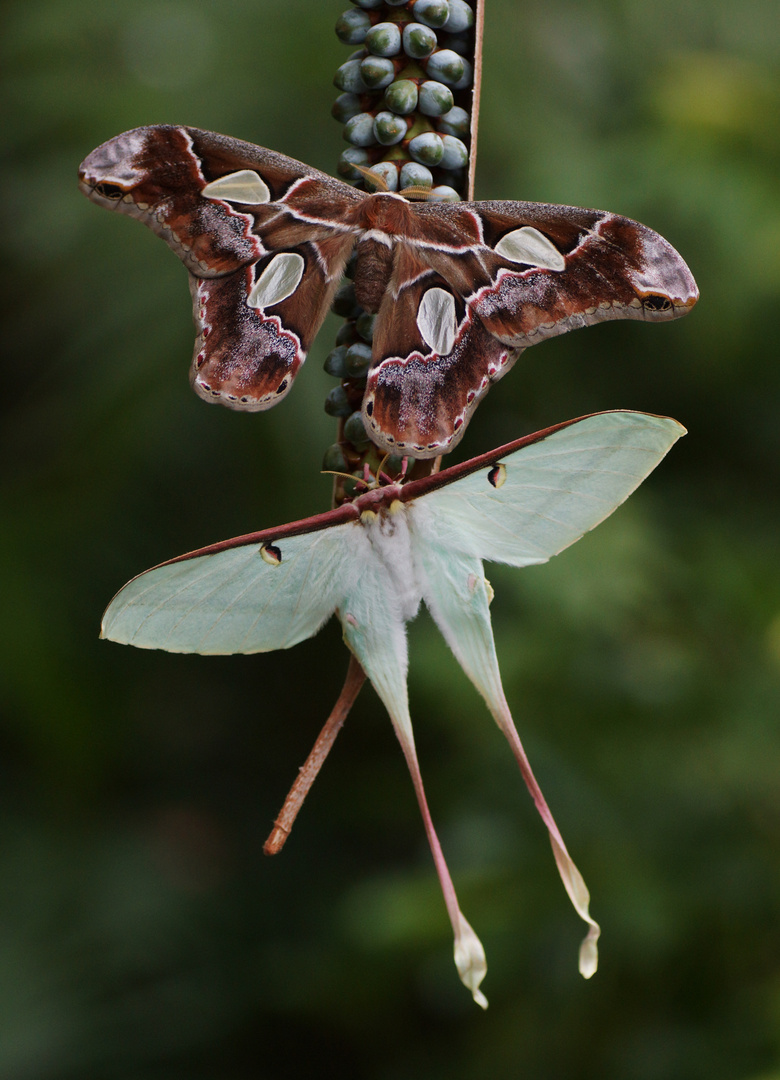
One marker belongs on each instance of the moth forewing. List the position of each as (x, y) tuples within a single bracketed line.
[(555, 489), (461, 289), (251, 597)]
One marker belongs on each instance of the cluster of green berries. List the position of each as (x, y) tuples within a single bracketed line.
[(404, 93), (349, 362), (406, 110)]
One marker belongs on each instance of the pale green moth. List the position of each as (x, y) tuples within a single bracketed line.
[(372, 561)]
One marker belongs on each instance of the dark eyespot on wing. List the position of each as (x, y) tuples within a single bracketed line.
[(271, 554), (657, 303), (109, 191), (497, 475)]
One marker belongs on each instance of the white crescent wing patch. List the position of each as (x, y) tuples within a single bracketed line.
[(437, 320), (528, 245), (279, 280), (244, 186)]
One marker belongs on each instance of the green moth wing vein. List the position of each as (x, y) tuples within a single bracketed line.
[(557, 485), (374, 560)]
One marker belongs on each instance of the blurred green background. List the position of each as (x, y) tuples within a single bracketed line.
[(142, 933)]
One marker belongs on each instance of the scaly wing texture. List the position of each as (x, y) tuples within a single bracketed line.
[(265, 239), (528, 501), (505, 275), (433, 358), (253, 594)]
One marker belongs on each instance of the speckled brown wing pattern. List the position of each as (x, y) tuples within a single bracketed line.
[(460, 290)]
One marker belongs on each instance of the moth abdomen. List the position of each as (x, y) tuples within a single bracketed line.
[(373, 268)]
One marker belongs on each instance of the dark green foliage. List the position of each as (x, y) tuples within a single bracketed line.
[(142, 934)]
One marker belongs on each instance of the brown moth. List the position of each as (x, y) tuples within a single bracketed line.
[(460, 290)]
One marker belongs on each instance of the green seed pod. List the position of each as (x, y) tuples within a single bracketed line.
[(350, 487), (460, 19), (344, 302), (345, 107), (393, 465), (384, 39), (455, 178), (401, 96), (377, 72), (456, 122), (435, 98), (388, 170), (364, 325), (336, 403), (445, 66), (462, 44), (432, 12), (334, 362), (357, 359), (414, 175), (427, 149), (389, 129), (467, 78), (353, 155), (352, 26), (334, 460), (419, 40), (444, 193), (360, 130), (346, 334), (355, 431), (456, 155), (349, 79)]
